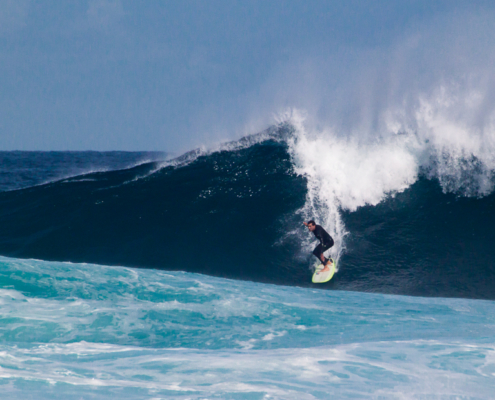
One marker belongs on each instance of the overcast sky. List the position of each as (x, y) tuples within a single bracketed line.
[(172, 75)]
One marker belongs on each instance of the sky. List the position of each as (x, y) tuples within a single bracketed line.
[(174, 75)]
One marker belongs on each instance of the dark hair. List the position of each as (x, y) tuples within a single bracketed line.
[(311, 222)]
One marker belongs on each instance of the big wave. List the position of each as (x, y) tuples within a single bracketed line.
[(411, 211)]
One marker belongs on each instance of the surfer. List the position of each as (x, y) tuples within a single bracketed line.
[(326, 242)]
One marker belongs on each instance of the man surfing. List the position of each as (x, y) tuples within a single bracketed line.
[(326, 242)]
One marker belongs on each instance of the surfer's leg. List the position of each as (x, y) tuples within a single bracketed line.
[(324, 260), (328, 246), (318, 253)]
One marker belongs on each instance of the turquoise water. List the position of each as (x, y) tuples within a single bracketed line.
[(87, 331)]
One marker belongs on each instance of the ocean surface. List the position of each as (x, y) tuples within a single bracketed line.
[(142, 276)]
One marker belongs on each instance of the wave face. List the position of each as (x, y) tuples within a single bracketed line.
[(237, 212), (88, 331), (221, 214)]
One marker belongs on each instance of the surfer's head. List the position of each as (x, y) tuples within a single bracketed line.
[(311, 225)]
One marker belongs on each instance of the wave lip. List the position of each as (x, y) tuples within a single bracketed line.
[(276, 133)]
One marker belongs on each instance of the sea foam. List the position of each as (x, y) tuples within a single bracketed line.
[(84, 331)]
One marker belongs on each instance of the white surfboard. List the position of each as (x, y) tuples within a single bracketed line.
[(322, 277)]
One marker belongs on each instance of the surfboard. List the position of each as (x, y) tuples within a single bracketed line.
[(322, 277)]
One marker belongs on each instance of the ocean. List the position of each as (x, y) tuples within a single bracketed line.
[(147, 276)]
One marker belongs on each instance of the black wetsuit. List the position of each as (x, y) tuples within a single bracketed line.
[(326, 242)]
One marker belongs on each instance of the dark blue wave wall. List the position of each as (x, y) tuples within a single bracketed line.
[(424, 242), (227, 214), (220, 215)]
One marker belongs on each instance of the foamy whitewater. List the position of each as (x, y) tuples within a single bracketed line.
[(87, 331), (434, 139)]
